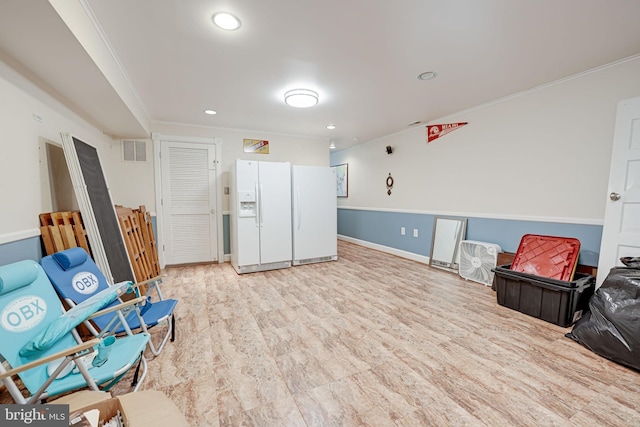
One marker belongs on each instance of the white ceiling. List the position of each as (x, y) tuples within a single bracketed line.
[(124, 64)]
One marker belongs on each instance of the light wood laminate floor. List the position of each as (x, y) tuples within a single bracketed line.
[(375, 340)]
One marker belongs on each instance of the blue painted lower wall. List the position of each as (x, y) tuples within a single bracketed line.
[(383, 228), (30, 248), (226, 236)]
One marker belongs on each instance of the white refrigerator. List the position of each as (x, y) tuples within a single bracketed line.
[(260, 198), (315, 222)]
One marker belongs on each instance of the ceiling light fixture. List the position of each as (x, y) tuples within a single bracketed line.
[(331, 127), (332, 146), (226, 21), (427, 75), (301, 98), (210, 112)]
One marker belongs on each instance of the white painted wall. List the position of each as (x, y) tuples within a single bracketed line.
[(25, 191), (543, 154), (24, 188), (282, 148), (131, 183)]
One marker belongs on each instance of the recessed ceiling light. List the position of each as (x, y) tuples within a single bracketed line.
[(301, 98), (427, 75), (226, 21), (210, 112), (331, 127)]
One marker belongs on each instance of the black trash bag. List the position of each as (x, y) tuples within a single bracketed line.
[(611, 327), (633, 262)]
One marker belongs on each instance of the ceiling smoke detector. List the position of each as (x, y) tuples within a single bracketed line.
[(427, 75)]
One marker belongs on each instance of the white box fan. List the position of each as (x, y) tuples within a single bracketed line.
[(477, 259)]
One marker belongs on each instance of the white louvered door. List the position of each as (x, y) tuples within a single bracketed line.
[(189, 202)]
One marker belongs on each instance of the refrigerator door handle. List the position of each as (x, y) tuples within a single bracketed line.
[(298, 207), (260, 206)]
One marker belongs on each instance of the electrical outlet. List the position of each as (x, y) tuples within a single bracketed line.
[(402, 231), (415, 232)]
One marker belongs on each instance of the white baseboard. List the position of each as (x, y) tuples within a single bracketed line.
[(393, 251)]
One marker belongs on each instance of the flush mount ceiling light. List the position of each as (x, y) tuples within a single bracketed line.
[(332, 146), (331, 127), (210, 112), (226, 21), (427, 75), (301, 98)]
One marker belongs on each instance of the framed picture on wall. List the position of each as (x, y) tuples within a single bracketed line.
[(342, 180), (257, 146)]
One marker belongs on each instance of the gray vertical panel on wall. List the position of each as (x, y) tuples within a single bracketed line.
[(98, 212)]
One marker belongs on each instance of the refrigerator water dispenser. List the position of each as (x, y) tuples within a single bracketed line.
[(247, 201)]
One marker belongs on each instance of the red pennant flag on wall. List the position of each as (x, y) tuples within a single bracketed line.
[(436, 131)]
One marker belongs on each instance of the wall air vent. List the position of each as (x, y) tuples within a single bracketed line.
[(134, 151)]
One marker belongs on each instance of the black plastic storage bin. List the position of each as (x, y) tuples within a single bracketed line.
[(555, 301)]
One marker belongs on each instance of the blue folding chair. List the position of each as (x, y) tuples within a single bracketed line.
[(76, 277), (39, 344)]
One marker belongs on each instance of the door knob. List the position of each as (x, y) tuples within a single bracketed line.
[(614, 196)]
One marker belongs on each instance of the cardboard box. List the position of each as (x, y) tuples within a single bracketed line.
[(151, 408), (109, 409), (82, 398), (144, 408)]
